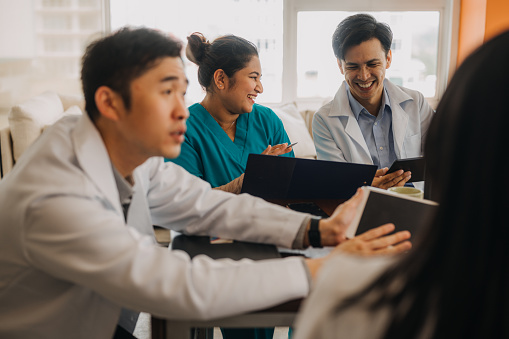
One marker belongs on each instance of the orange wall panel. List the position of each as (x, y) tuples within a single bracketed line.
[(472, 27), (497, 18)]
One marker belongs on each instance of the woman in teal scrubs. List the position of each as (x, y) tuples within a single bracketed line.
[(227, 125)]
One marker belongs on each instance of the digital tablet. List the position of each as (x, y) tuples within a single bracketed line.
[(415, 165), (379, 207)]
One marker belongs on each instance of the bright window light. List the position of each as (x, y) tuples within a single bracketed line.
[(260, 22), (414, 50)]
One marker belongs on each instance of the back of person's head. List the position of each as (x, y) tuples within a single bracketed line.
[(117, 59), (453, 284), (356, 29), (229, 53)]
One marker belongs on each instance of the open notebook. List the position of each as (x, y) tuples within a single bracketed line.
[(380, 207)]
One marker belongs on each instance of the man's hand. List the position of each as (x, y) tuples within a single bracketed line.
[(383, 180), (277, 149), (373, 242), (332, 230)]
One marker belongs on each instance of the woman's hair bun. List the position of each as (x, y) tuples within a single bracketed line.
[(197, 47)]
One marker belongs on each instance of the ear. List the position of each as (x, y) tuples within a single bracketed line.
[(389, 59), (340, 66), (220, 79), (109, 103)]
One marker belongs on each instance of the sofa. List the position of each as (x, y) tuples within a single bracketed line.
[(29, 119)]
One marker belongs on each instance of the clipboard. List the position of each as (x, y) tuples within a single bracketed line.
[(236, 250), (272, 177)]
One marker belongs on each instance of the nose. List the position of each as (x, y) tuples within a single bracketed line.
[(180, 111), (364, 73), (259, 87)]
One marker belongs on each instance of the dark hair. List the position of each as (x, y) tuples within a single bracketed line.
[(116, 60), (358, 28), (229, 53), (455, 279)]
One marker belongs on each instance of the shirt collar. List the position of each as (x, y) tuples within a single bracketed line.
[(357, 108), (125, 189)]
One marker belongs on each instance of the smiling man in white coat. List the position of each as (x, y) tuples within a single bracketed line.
[(370, 120), (76, 236)]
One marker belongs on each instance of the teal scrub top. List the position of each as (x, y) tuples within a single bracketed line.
[(210, 154)]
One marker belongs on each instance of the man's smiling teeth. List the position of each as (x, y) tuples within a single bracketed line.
[(251, 96), (365, 85)]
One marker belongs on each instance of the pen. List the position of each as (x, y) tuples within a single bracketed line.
[(291, 145)]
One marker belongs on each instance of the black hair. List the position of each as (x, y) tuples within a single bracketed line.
[(117, 59), (454, 281), (229, 53), (358, 28)]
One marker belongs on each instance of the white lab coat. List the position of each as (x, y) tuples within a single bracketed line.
[(338, 137), (68, 262)]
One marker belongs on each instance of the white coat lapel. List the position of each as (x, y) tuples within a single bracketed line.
[(94, 159), (341, 108), (399, 116)]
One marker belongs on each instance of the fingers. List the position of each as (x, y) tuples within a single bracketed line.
[(267, 150), (398, 178), (399, 248), (377, 232), (376, 242), (277, 149), (381, 172), (355, 200), (383, 243), (404, 180)]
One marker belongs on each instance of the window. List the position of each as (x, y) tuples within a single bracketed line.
[(414, 51), (260, 22), (424, 45), (45, 51), (294, 39)]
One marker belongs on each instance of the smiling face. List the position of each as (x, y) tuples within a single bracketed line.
[(154, 125), (243, 88), (364, 68)]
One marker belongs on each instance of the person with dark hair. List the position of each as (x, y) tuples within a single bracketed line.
[(453, 283), (227, 125), (76, 235), (370, 120)]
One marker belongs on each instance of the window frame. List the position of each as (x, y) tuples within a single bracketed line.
[(447, 38)]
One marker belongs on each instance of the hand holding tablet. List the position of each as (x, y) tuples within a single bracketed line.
[(415, 165)]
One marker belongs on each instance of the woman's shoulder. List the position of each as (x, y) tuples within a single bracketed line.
[(263, 110), (265, 116)]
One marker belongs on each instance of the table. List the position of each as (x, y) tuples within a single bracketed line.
[(280, 315)]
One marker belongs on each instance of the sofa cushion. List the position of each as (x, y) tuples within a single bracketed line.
[(297, 130), (27, 120)]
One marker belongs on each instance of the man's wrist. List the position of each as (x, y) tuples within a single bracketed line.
[(314, 236)]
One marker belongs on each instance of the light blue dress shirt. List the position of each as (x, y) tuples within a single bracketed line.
[(377, 131)]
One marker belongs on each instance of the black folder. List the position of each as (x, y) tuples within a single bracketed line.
[(195, 245), (272, 177)]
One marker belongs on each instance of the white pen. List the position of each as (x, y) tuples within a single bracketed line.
[(291, 145)]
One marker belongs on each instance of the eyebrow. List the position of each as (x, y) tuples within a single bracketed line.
[(367, 62), (173, 78), (255, 72)]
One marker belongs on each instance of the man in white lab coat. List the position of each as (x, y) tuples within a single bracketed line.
[(76, 236), (370, 120)]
